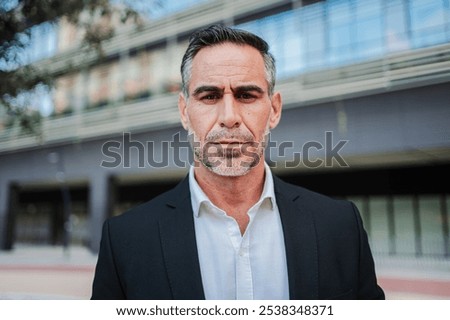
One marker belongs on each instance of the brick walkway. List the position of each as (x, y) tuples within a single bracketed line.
[(51, 273), (46, 273), (415, 288), (414, 278)]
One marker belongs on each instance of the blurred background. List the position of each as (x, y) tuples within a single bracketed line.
[(78, 74)]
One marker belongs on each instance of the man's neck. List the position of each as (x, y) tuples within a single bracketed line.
[(234, 195)]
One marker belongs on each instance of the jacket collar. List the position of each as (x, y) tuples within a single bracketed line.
[(179, 247), (198, 196), (300, 239)]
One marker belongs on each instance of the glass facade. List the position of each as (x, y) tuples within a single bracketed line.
[(157, 9), (322, 35), (379, 231), (406, 225), (42, 223), (332, 33)]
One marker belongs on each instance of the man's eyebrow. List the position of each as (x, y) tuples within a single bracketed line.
[(244, 88), (247, 88), (202, 89)]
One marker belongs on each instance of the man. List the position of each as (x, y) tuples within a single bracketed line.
[(231, 230)]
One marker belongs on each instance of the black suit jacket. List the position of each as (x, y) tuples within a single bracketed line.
[(150, 252)]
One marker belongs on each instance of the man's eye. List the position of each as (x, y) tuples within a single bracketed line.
[(246, 97), (210, 98)]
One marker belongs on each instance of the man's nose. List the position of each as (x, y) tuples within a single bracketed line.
[(229, 113)]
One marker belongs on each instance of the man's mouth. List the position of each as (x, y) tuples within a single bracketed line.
[(233, 142)]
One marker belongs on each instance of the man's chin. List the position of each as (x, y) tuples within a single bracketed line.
[(230, 172), (226, 169)]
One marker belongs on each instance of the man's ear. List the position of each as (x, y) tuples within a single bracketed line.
[(182, 104), (275, 112)]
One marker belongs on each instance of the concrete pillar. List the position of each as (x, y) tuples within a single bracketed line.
[(100, 207), (8, 199), (3, 214), (81, 91)]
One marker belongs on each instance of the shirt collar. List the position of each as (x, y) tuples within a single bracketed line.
[(198, 196)]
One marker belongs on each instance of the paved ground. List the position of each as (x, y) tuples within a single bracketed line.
[(414, 278), (52, 273), (46, 273)]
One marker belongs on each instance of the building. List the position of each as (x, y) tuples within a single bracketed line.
[(366, 91)]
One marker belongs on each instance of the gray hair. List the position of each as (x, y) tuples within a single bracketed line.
[(218, 34)]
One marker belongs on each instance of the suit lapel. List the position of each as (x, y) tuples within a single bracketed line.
[(300, 240), (179, 246)]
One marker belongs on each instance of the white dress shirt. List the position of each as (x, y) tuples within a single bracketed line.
[(235, 266)]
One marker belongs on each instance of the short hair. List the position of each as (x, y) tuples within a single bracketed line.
[(218, 34)]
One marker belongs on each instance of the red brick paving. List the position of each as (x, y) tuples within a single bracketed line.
[(430, 287)]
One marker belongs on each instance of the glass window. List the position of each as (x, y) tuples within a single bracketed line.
[(288, 55), (404, 225), (281, 32), (369, 29), (396, 32), (340, 29), (313, 40), (431, 224), (137, 78), (379, 224), (160, 69), (427, 22), (100, 85), (79, 223), (337, 32), (66, 96), (269, 29), (292, 45), (159, 9)]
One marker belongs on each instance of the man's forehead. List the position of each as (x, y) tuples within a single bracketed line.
[(228, 51), (228, 60), (228, 65)]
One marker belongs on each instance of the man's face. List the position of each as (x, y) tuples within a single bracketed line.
[(229, 111)]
